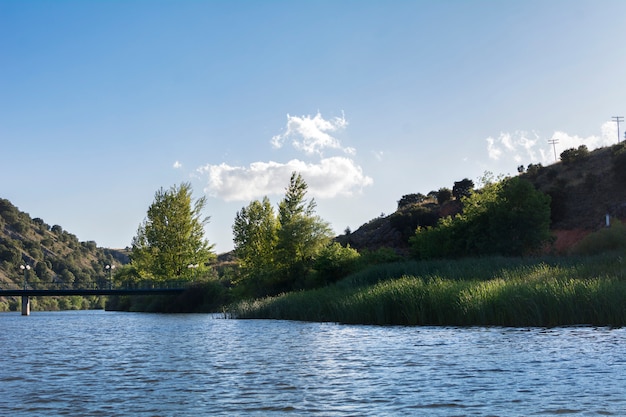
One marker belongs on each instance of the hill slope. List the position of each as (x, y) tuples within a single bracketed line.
[(584, 187), (53, 254)]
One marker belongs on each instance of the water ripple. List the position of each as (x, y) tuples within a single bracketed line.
[(119, 364)]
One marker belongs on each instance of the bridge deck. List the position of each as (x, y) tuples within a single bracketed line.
[(85, 292)]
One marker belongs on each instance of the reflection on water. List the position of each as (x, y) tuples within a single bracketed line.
[(120, 364)]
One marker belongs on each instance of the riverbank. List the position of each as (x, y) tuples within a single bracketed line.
[(498, 291)]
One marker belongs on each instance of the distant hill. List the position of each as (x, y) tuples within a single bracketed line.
[(584, 187), (53, 254)]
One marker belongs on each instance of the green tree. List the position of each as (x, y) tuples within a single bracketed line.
[(462, 188), (509, 217), (172, 236), (301, 235), (335, 262), (255, 235), (443, 195), (277, 252), (410, 199)]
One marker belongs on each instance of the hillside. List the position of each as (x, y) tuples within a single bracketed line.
[(54, 255), (584, 187)]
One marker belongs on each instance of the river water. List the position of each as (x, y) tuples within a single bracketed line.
[(95, 363)]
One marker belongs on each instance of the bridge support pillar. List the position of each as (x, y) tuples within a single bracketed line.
[(25, 305)]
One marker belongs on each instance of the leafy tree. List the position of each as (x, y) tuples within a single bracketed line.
[(277, 252), (335, 262), (443, 195), (9, 253), (515, 219), (410, 199), (301, 235), (407, 220), (172, 236), (509, 217), (255, 234), (462, 188)]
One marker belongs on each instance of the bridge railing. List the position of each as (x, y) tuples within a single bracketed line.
[(98, 285)]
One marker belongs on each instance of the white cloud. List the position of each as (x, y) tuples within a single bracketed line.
[(177, 165), (328, 178), (312, 134), (529, 147)]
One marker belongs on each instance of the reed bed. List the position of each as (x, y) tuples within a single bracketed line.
[(490, 291)]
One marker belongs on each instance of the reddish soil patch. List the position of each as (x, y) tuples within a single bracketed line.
[(566, 239)]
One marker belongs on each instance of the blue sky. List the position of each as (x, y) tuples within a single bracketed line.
[(104, 102)]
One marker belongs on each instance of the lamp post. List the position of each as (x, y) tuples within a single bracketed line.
[(110, 269), (25, 269), (25, 298)]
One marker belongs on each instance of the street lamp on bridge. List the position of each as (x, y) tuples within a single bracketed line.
[(110, 269), (25, 269)]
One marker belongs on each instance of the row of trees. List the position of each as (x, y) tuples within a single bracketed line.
[(460, 189), (292, 247), (276, 252), (288, 250)]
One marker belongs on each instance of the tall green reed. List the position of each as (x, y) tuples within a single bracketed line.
[(489, 291)]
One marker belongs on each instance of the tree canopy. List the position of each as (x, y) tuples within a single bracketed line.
[(171, 238), (509, 217), (278, 251), (255, 235)]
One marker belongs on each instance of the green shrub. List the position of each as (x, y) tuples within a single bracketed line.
[(333, 263)]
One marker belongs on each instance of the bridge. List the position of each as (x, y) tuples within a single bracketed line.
[(139, 288)]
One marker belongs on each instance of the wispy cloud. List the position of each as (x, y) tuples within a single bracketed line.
[(177, 165), (529, 147), (312, 134), (326, 177)]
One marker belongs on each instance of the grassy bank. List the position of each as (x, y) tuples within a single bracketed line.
[(488, 291)]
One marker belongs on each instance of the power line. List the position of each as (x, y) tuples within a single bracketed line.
[(553, 142), (618, 119)]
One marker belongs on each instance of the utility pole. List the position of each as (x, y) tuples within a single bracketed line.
[(618, 119), (553, 142)]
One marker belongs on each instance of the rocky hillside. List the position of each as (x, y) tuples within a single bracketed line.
[(584, 187), (53, 254)]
